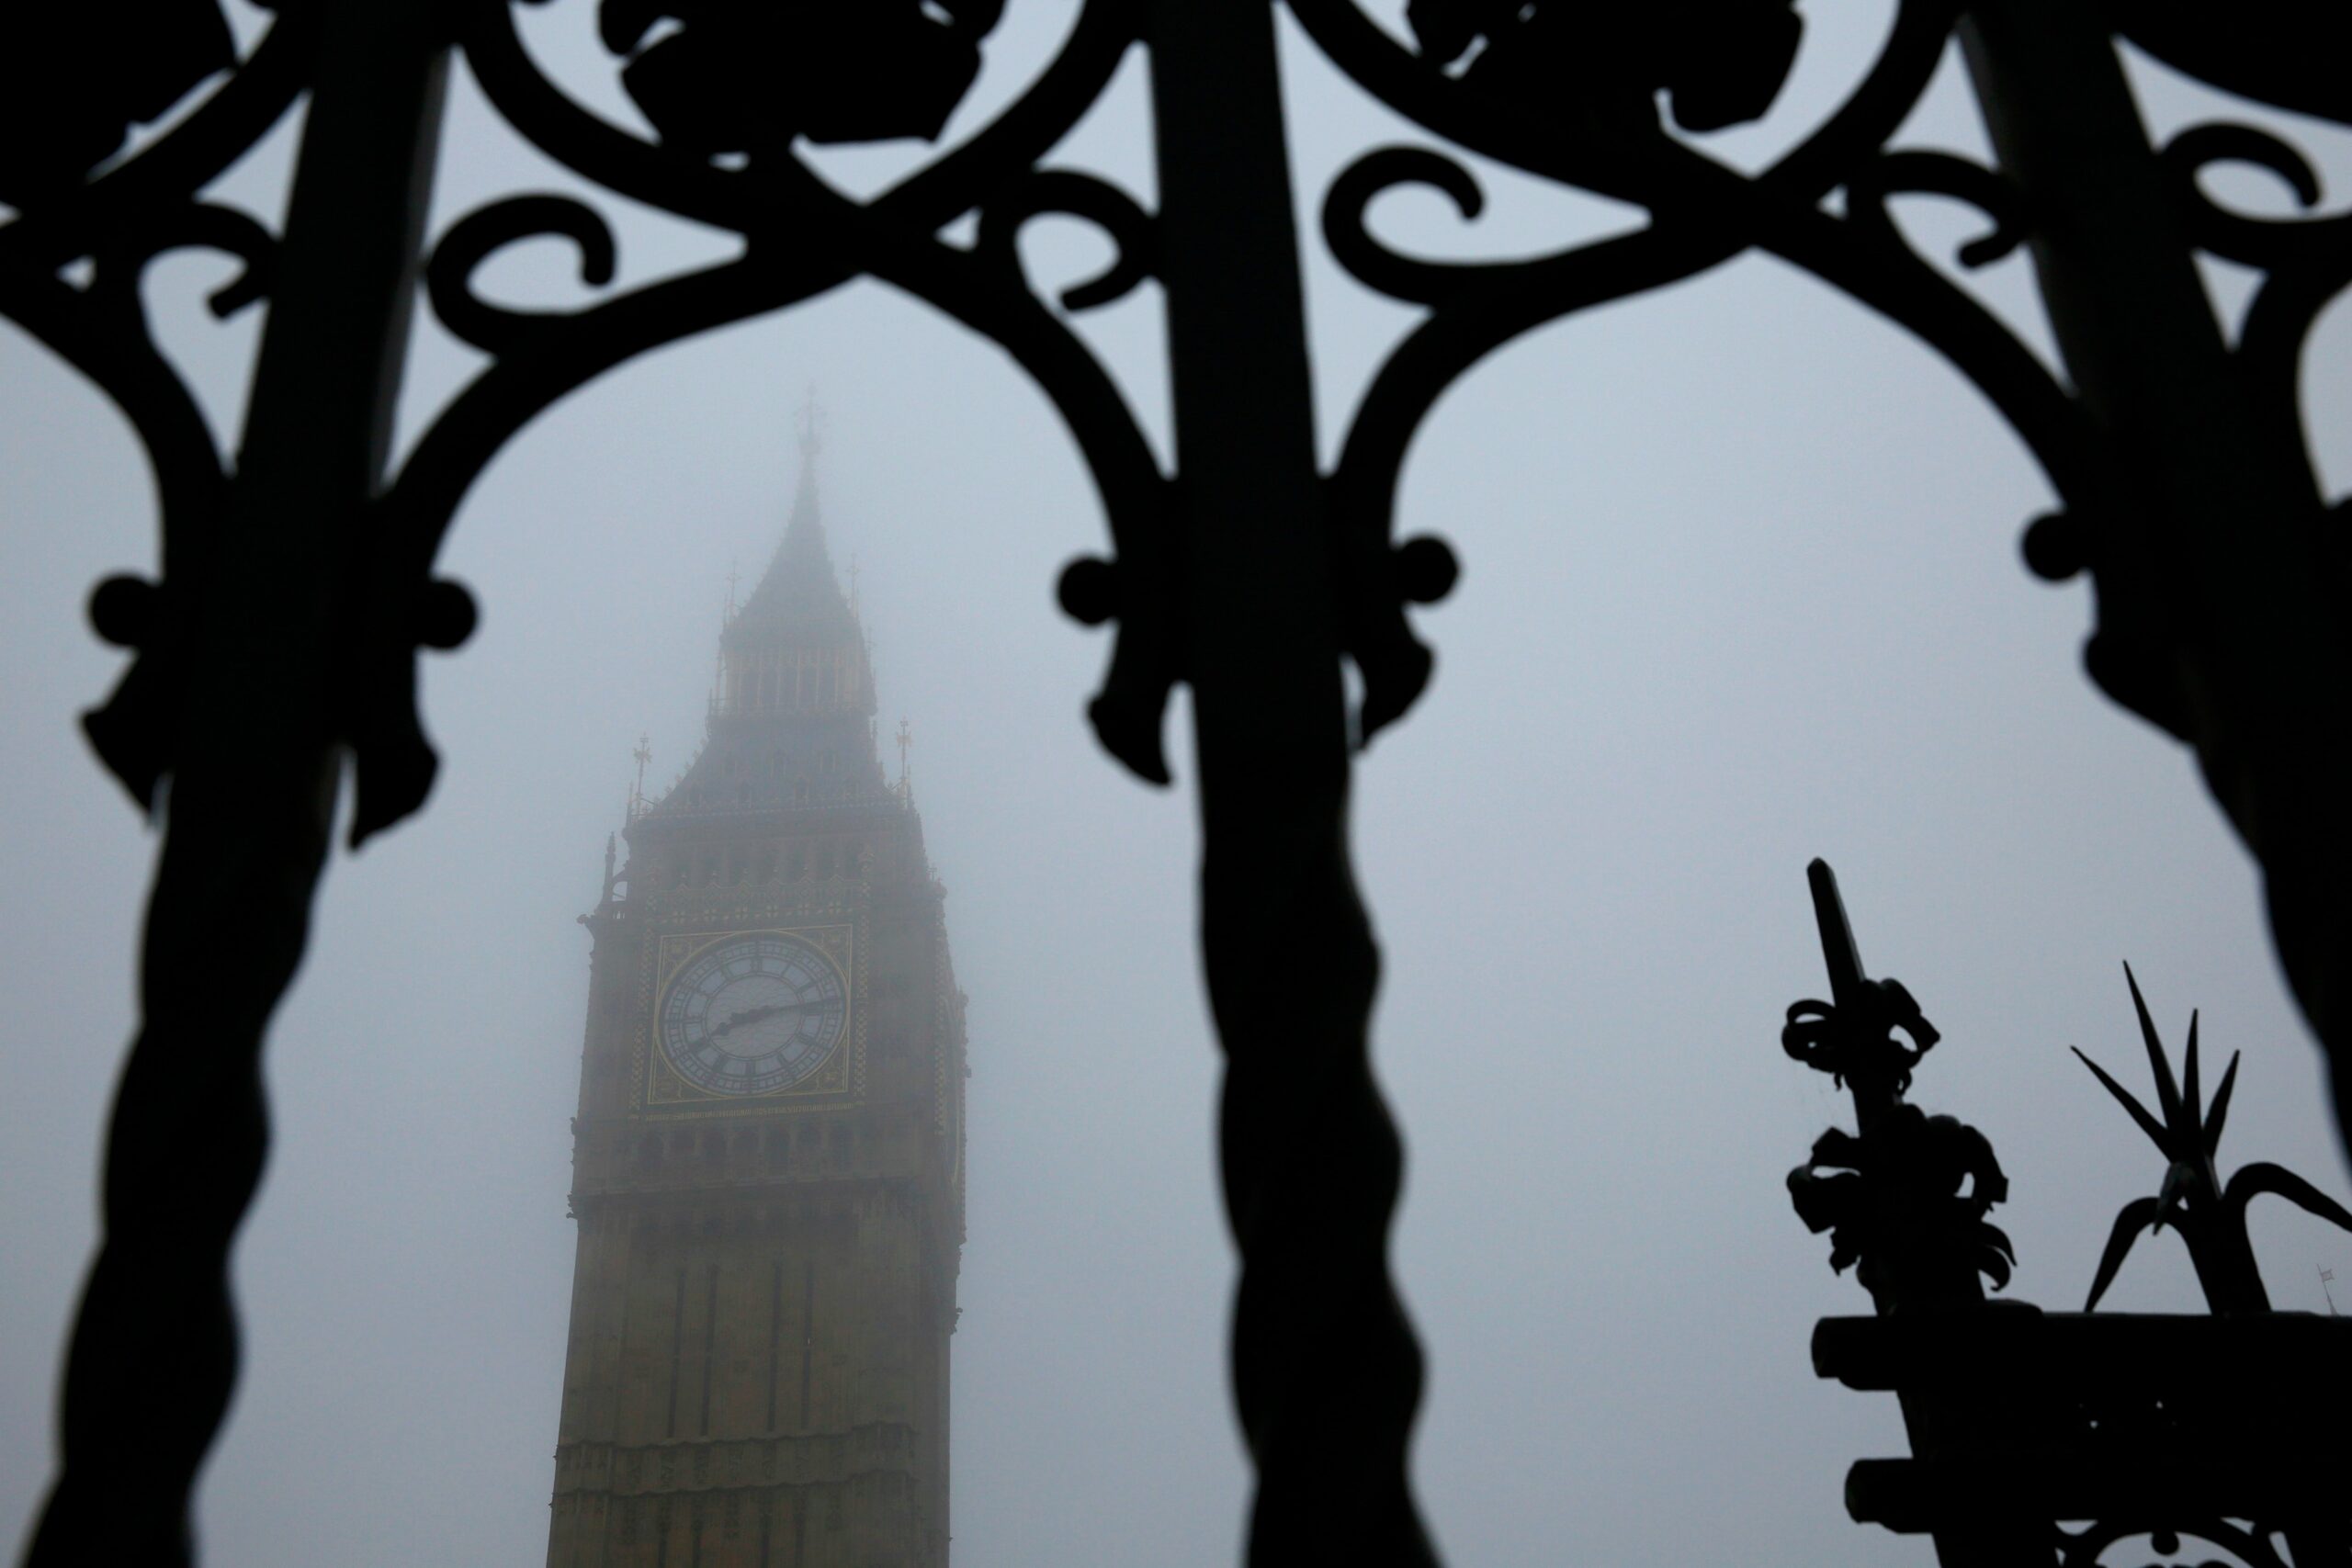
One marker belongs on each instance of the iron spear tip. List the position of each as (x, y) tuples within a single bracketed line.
[(1837, 947)]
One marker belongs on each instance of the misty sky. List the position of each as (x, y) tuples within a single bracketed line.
[(1741, 587)]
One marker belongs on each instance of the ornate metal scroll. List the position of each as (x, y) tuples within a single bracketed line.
[(2184, 483)]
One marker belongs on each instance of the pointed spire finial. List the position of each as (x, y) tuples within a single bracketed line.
[(905, 779), (810, 421), (642, 753)]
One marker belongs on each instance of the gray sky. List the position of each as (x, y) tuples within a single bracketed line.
[(1741, 588)]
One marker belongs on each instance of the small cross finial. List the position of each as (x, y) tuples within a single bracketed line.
[(644, 753)]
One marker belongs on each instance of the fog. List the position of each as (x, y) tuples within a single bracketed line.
[(1740, 588)]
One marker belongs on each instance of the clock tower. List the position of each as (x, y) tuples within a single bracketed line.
[(768, 1166)]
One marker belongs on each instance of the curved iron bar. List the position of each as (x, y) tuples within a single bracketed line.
[(1484, 306), (1142, 585), (473, 238), (2306, 262), (131, 729), (120, 219), (182, 161), (2082, 1548), (108, 346), (1065, 193), (1703, 214)]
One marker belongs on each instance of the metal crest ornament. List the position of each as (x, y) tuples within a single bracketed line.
[(297, 586)]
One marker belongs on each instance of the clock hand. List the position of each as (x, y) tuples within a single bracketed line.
[(748, 1015), (753, 1015)]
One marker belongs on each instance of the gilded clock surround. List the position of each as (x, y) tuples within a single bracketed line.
[(840, 1075)]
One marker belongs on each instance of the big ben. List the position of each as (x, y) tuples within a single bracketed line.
[(768, 1175)]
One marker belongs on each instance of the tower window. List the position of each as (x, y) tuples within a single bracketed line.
[(831, 762), (799, 792)]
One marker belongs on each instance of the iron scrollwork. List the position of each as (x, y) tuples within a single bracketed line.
[(802, 238), (113, 224), (2158, 442)]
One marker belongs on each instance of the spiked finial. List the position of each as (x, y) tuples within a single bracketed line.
[(2208, 1215)]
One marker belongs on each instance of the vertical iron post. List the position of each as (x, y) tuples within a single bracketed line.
[(1914, 1269), (1327, 1371), (251, 803), (2219, 597)]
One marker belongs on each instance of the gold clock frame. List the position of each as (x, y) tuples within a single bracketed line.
[(840, 1076)]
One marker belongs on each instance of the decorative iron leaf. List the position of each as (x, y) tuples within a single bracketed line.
[(2167, 1093), (75, 78), (1720, 61), (2137, 1215), (2221, 1110), (740, 76), (1823, 1200), (2252, 1180), (2148, 1124), (1996, 1258), (1842, 1150), (2189, 1073), (2276, 53)]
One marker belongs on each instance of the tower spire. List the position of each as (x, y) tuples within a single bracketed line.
[(788, 721)]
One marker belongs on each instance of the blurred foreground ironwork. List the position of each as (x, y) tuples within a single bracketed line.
[(296, 588), (2022, 1422)]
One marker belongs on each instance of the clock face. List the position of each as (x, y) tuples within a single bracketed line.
[(750, 1014)]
